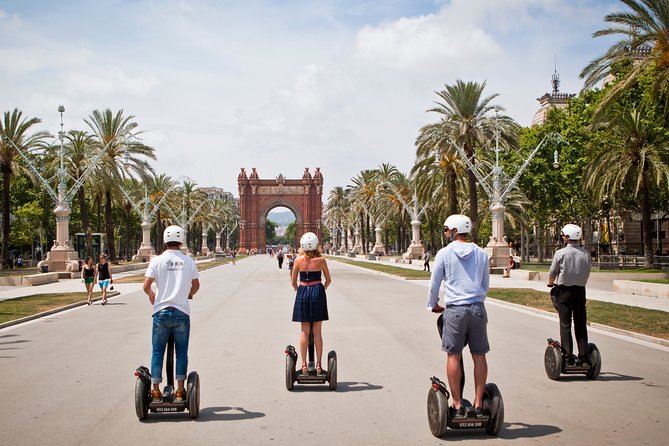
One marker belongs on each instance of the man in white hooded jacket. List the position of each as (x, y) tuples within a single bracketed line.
[(464, 269)]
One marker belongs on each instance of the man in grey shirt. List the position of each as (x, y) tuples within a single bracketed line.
[(571, 268)]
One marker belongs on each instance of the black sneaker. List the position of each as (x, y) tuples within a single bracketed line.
[(479, 412), (457, 413), (584, 361)]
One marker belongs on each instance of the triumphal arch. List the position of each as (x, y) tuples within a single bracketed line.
[(257, 197)]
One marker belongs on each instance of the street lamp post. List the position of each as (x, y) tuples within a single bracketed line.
[(497, 246)]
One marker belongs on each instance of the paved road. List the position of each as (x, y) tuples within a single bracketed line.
[(68, 379)]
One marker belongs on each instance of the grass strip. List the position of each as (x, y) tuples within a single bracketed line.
[(412, 274), (19, 307), (202, 266), (635, 319), (639, 320)]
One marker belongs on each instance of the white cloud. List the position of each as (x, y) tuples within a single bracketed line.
[(221, 85), (425, 43)]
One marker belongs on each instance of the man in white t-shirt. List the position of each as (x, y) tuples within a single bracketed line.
[(177, 279)]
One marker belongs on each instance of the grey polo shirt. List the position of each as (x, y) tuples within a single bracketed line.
[(571, 266)]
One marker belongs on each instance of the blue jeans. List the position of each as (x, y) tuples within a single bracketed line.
[(177, 323)]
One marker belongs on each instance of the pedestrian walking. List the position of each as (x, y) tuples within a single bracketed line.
[(426, 263), (311, 305), (279, 258), (88, 271), (177, 279), (103, 276), (463, 267), (570, 271)]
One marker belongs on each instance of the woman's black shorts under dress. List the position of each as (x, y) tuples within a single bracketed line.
[(310, 302)]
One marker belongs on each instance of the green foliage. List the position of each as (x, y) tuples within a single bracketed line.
[(270, 231), (289, 236)]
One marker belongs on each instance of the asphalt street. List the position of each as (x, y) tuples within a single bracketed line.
[(69, 378)]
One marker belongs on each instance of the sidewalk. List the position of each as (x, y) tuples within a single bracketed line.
[(497, 281)]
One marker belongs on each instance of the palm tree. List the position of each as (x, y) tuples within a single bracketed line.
[(13, 133), (438, 170), (644, 46), (124, 156), (158, 187), (631, 163), (466, 121), (363, 194), (336, 210)]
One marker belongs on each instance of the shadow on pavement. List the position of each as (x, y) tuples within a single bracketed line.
[(342, 387), (206, 414), (604, 376), (227, 414), (511, 431), (356, 386)]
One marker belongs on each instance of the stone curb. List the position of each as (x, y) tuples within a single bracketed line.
[(54, 311)]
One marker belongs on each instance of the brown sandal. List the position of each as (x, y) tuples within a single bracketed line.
[(305, 370), (319, 369)]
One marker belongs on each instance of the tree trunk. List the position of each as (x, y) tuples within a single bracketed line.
[(452, 193), (109, 227), (6, 209), (98, 223), (128, 214), (646, 221)]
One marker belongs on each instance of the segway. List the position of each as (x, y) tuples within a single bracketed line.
[(294, 375), (490, 418), (556, 362), (143, 401)]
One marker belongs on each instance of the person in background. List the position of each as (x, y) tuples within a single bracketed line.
[(509, 266), (88, 271), (103, 276)]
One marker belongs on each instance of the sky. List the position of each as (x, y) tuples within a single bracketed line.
[(343, 85)]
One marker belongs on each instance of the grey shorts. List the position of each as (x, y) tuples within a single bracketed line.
[(465, 323)]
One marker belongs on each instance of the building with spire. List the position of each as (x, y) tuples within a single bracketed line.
[(550, 100)]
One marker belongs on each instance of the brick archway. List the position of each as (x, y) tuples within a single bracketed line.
[(257, 197)]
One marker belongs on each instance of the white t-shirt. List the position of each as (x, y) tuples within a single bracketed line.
[(174, 273)]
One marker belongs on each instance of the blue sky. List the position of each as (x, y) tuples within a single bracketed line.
[(283, 85)]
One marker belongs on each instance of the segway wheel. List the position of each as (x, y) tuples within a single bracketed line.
[(332, 370), (553, 362), (193, 394), (290, 372), (496, 408), (437, 412), (141, 399), (596, 362)]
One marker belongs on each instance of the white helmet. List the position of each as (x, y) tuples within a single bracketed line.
[(173, 234), (572, 231), (460, 222), (309, 241)]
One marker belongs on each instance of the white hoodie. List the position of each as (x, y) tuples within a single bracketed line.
[(464, 268)]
